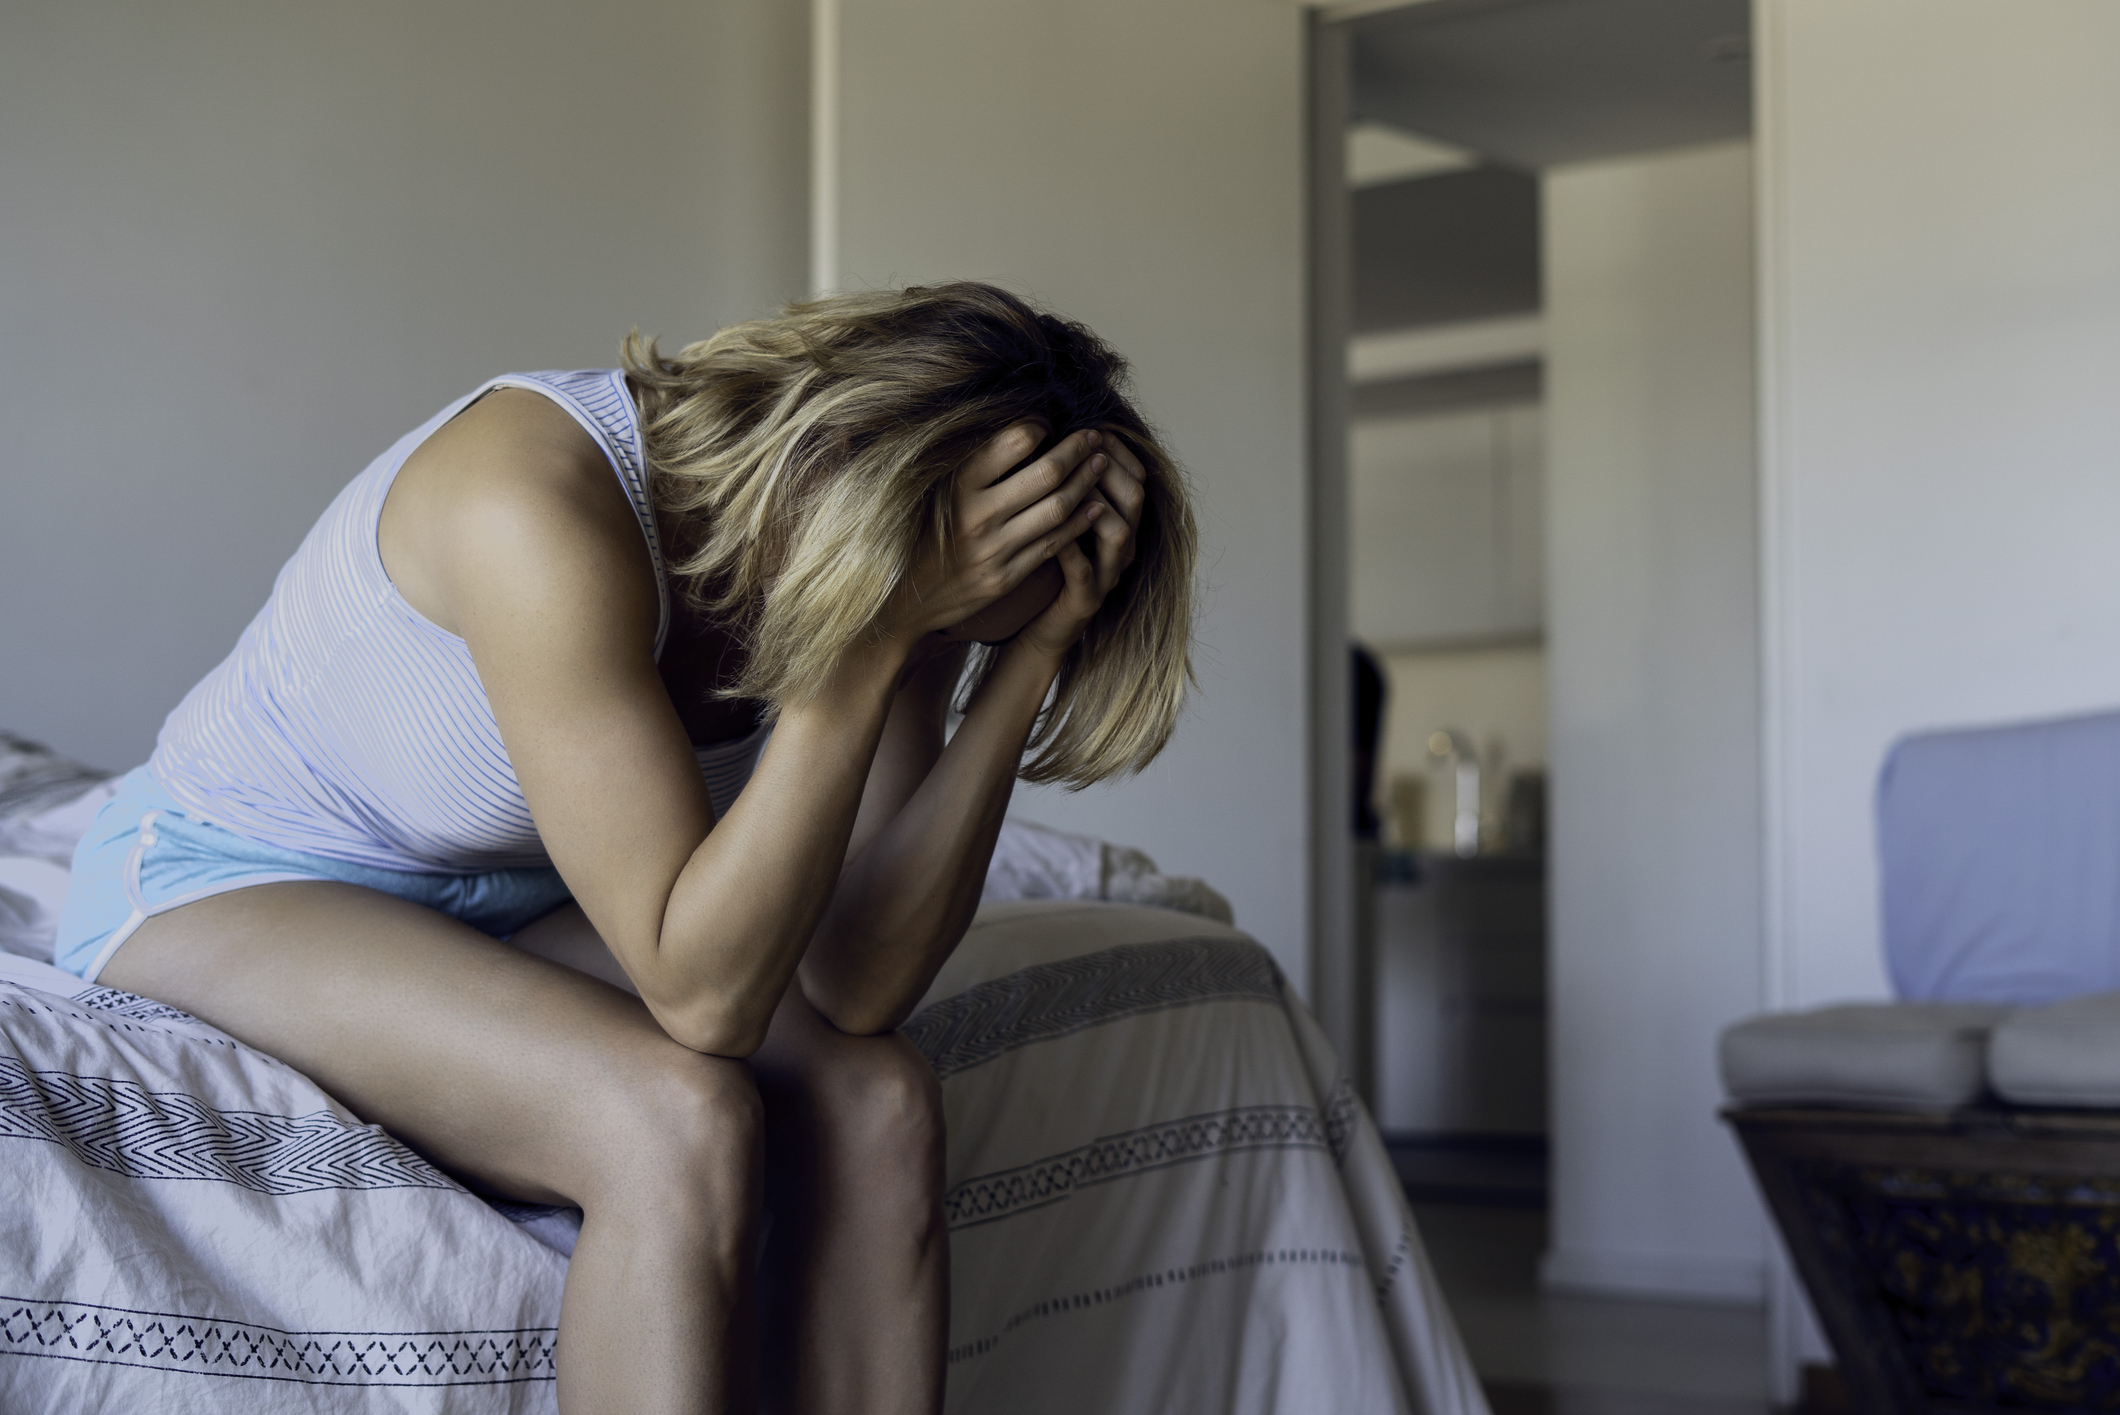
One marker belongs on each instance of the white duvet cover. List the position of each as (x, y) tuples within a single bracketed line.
[(1163, 1198)]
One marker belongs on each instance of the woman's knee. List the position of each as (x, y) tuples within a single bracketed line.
[(880, 1095), (675, 1122)]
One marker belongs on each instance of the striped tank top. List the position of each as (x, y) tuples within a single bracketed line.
[(347, 725)]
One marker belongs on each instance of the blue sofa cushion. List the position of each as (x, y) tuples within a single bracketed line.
[(2000, 850)]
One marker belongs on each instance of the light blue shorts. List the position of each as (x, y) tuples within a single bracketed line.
[(144, 854)]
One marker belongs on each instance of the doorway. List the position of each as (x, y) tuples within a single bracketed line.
[(1475, 138)]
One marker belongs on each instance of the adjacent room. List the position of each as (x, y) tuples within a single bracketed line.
[(1550, 209)]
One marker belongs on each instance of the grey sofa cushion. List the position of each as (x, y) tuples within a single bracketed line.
[(2067, 1054), (1880, 1056)]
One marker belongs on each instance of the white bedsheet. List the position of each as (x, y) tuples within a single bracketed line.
[(190, 1225), (1163, 1198)]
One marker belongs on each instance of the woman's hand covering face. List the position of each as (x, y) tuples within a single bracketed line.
[(1012, 531), (1115, 504)]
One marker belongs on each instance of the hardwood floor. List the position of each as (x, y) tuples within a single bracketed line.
[(1492, 1171), (1542, 1353), (1822, 1396), (1512, 1398)]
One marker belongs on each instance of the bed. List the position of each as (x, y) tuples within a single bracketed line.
[(1163, 1196)]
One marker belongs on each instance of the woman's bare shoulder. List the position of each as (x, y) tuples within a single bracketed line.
[(512, 486)]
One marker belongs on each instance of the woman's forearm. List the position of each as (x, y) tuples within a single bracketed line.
[(905, 901), (749, 899)]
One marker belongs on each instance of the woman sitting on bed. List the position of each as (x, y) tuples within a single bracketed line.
[(531, 653)]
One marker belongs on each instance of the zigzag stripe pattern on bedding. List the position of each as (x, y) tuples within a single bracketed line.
[(193, 1228), (79, 1331), (131, 1004), (1063, 997), (124, 1128)]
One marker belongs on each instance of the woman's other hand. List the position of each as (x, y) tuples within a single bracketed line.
[(1005, 527), (1121, 493)]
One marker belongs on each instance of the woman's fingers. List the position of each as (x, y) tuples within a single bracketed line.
[(1077, 504), (1078, 598), (1061, 623), (1115, 548), (1121, 487), (1081, 578), (1125, 482), (1046, 521), (1038, 549), (1051, 475), (1003, 451)]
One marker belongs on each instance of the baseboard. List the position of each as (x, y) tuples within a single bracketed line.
[(1738, 1281)]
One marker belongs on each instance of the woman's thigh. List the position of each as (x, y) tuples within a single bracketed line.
[(527, 1076)]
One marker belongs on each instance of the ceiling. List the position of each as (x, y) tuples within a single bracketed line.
[(1534, 83), (1483, 93), (1445, 248)]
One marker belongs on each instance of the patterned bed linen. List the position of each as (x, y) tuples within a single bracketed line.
[(1162, 1198)]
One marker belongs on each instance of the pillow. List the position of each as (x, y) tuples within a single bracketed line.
[(1038, 862), (46, 802), (35, 780)]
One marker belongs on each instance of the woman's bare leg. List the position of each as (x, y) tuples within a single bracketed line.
[(539, 1082), (856, 1291), (856, 1300)]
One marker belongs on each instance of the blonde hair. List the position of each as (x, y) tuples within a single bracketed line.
[(812, 453)]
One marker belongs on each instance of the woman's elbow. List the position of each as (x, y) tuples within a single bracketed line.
[(715, 1026), (854, 1010), (857, 1020)]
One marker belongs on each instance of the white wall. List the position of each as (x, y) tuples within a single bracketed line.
[(1138, 168), (1941, 312), (1652, 611), (1445, 526), (1942, 293), (245, 245)]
